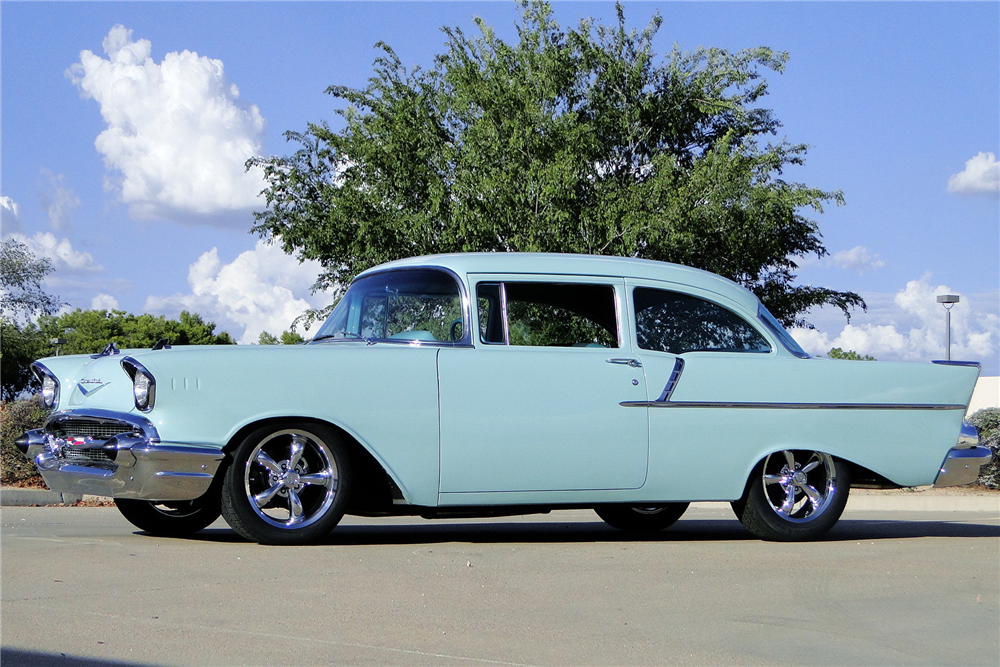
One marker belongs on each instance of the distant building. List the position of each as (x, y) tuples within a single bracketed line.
[(986, 394)]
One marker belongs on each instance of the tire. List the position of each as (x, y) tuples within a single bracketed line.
[(794, 495), (641, 519), (288, 484), (171, 518)]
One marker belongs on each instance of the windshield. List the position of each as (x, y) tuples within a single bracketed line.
[(408, 305), (786, 338)]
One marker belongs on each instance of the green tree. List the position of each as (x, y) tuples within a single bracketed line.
[(89, 331), (837, 353), (287, 338), (576, 140), (21, 299)]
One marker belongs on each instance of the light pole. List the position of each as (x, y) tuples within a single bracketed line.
[(948, 301)]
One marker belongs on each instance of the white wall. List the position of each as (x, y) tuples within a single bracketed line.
[(986, 394)]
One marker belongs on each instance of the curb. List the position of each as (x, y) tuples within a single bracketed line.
[(40, 498), (860, 502)]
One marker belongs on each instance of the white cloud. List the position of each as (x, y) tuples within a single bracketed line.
[(913, 329), (176, 132), (58, 201), (104, 302), (60, 251), (10, 215), (980, 177), (858, 259), (261, 290)]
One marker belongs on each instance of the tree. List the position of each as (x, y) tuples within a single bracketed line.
[(565, 141), (89, 331), (22, 298), (287, 338), (837, 353), (21, 276)]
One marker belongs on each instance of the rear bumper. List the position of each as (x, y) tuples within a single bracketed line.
[(961, 466), (129, 465)]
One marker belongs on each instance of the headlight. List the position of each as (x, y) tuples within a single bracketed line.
[(143, 384), (50, 385)]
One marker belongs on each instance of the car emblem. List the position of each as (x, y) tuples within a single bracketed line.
[(89, 386)]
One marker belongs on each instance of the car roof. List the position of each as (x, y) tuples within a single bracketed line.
[(572, 265)]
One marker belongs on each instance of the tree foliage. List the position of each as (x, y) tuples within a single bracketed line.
[(837, 353), (987, 423), (287, 338), (89, 332), (21, 276), (577, 140)]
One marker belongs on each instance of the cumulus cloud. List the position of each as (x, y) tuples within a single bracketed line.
[(60, 252), (57, 200), (980, 177), (104, 302), (177, 135), (913, 329), (858, 259), (261, 290), (10, 216)]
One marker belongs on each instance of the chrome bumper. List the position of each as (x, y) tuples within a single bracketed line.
[(123, 466), (961, 466)]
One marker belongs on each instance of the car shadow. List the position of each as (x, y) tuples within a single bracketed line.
[(13, 657), (554, 532)]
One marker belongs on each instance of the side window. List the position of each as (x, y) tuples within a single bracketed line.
[(676, 323), (547, 314)]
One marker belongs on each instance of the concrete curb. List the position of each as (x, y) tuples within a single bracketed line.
[(858, 502)]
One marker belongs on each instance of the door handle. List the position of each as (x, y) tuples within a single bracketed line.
[(634, 363)]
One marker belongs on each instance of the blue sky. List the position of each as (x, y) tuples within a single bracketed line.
[(125, 165)]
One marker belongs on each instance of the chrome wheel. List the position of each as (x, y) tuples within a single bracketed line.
[(633, 518), (291, 479), (288, 484), (176, 518), (794, 495), (799, 490)]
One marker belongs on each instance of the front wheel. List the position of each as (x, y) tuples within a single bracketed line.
[(795, 495), (288, 484), (637, 519), (171, 518)]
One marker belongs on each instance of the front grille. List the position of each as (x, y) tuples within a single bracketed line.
[(88, 455), (98, 429)]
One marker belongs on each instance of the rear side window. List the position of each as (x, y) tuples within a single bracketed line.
[(547, 314), (677, 323)]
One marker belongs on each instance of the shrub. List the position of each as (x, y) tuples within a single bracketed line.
[(987, 422), (16, 417)]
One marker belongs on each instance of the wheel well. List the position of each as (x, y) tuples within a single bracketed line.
[(372, 489)]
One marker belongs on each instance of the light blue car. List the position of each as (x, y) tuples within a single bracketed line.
[(493, 384)]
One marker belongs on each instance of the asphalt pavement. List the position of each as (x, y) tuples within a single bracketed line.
[(82, 587)]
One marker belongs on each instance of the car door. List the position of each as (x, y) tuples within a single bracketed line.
[(536, 406)]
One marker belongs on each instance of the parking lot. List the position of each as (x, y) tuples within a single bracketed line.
[(82, 588)]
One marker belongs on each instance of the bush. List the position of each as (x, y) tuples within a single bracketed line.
[(16, 417), (987, 422)]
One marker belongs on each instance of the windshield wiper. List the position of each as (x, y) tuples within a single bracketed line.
[(344, 336)]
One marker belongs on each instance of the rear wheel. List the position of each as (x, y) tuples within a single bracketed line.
[(288, 484), (795, 495), (172, 518), (635, 519)]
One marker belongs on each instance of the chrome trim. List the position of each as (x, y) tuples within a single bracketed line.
[(969, 364), (961, 466), (109, 350), (503, 312), (133, 368), (633, 363), (967, 437), (39, 370), (135, 465), (791, 406), (675, 375)]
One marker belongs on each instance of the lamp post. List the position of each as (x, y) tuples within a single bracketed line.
[(948, 301)]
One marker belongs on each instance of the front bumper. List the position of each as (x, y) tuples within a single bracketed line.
[(961, 466), (134, 464)]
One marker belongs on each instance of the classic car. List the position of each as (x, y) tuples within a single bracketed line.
[(493, 384)]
